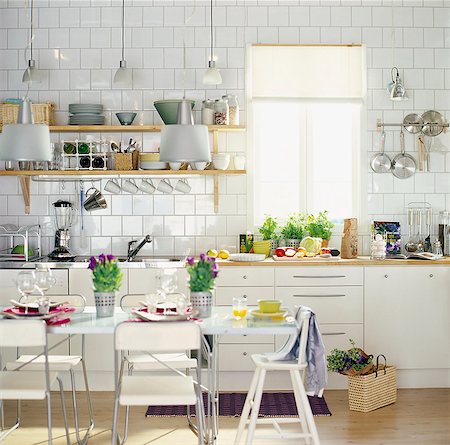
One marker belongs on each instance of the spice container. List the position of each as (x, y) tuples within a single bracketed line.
[(208, 112), (378, 250), (233, 107), (221, 112)]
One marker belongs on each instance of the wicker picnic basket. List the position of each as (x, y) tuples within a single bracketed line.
[(372, 391), (42, 113)]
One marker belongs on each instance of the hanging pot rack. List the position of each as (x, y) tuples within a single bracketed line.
[(381, 125)]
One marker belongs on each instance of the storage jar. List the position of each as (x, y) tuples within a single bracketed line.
[(233, 106), (221, 112), (208, 112)]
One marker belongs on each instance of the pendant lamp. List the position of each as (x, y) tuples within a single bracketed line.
[(123, 76), (396, 89), (31, 74), (185, 142), (25, 140), (212, 74)]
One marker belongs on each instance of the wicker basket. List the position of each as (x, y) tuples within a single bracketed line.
[(126, 161), (42, 113), (372, 391)]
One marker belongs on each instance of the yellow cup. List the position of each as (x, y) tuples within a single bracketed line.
[(262, 247)]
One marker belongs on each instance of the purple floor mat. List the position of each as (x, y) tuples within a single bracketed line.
[(274, 404)]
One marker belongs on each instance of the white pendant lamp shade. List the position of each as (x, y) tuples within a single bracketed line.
[(396, 89), (212, 75), (25, 141), (124, 75), (31, 74), (185, 143)]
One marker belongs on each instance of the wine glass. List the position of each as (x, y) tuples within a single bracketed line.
[(152, 301), (166, 283), (26, 284), (44, 279)]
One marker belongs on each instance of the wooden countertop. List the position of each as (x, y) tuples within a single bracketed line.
[(360, 261)]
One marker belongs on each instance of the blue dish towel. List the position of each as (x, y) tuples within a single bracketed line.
[(316, 377)]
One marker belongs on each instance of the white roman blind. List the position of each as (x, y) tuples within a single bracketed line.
[(315, 71)]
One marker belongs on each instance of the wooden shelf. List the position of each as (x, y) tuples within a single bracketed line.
[(25, 173), (131, 128)]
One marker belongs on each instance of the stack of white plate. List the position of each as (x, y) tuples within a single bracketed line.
[(86, 114)]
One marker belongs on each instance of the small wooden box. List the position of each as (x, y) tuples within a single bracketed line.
[(42, 113), (126, 161)]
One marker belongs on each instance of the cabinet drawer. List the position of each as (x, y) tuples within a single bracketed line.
[(341, 304), (319, 276), (238, 357), (224, 295), (240, 339), (245, 276)]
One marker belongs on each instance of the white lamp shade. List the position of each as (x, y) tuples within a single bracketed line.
[(185, 143), (32, 74), (123, 77), (212, 77), (25, 142)]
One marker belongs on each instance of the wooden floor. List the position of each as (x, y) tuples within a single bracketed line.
[(419, 417)]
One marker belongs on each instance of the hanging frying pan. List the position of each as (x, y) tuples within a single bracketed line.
[(403, 165), (381, 163)]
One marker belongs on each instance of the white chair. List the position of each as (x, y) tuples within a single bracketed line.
[(153, 390), (64, 363), (252, 403), (30, 385)]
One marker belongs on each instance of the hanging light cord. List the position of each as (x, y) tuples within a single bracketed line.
[(29, 45), (31, 30), (212, 34), (123, 29), (184, 49)]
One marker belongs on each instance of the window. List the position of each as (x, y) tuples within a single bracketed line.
[(305, 146)]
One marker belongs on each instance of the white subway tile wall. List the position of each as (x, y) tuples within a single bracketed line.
[(77, 46)]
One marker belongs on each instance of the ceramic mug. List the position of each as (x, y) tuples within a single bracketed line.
[(239, 162), (183, 186), (129, 185), (175, 165), (199, 165), (147, 186), (113, 186), (165, 186)]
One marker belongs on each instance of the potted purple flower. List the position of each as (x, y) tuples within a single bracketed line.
[(202, 274), (106, 280)]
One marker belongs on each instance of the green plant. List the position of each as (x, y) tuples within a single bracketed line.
[(354, 360), (294, 227), (320, 226), (202, 273), (269, 227), (106, 273)]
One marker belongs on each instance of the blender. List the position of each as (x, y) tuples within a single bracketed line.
[(65, 215)]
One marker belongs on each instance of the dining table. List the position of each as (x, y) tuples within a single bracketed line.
[(219, 324)]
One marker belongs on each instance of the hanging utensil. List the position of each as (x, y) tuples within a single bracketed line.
[(427, 152), (381, 163), (421, 150), (427, 242), (410, 246), (403, 165), (433, 123), (420, 244), (415, 120)]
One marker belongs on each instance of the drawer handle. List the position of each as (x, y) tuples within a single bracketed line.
[(244, 277), (319, 276), (334, 333), (331, 295), (244, 353)]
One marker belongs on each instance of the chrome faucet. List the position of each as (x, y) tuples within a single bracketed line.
[(134, 249)]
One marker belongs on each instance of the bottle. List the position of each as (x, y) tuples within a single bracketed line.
[(83, 148), (208, 112), (85, 162), (98, 162), (233, 106), (221, 112)]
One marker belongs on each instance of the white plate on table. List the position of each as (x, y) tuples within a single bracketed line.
[(247, 257), (144, 315), (33, 315), (33, 305)]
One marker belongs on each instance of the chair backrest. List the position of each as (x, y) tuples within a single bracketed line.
[(22, 333), (131, 301), (305, 315), (157, 336)]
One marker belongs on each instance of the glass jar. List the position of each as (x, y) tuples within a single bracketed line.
[(233, 106), (221, 112), (208, 112), (378, 248)]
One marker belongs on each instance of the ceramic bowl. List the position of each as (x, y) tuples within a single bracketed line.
[(168, 110), (221, 161), (269, 306), (126, 118)]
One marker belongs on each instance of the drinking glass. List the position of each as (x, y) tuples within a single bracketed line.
[(239, 307), (167, 281), (26, 284), (152, 301)]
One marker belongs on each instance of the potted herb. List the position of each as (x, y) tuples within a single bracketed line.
[(270, 237), (292, 232), (202, 274), (351, 362), (320, 227), (106, 279)]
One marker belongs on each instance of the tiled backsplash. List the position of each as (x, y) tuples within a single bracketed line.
[(77, 45)]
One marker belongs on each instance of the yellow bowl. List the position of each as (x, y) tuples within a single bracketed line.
[(269, 306), (153, 157), (262, 247)]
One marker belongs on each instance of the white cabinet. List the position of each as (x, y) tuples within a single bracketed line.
[(407, 315), (143, 281)]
